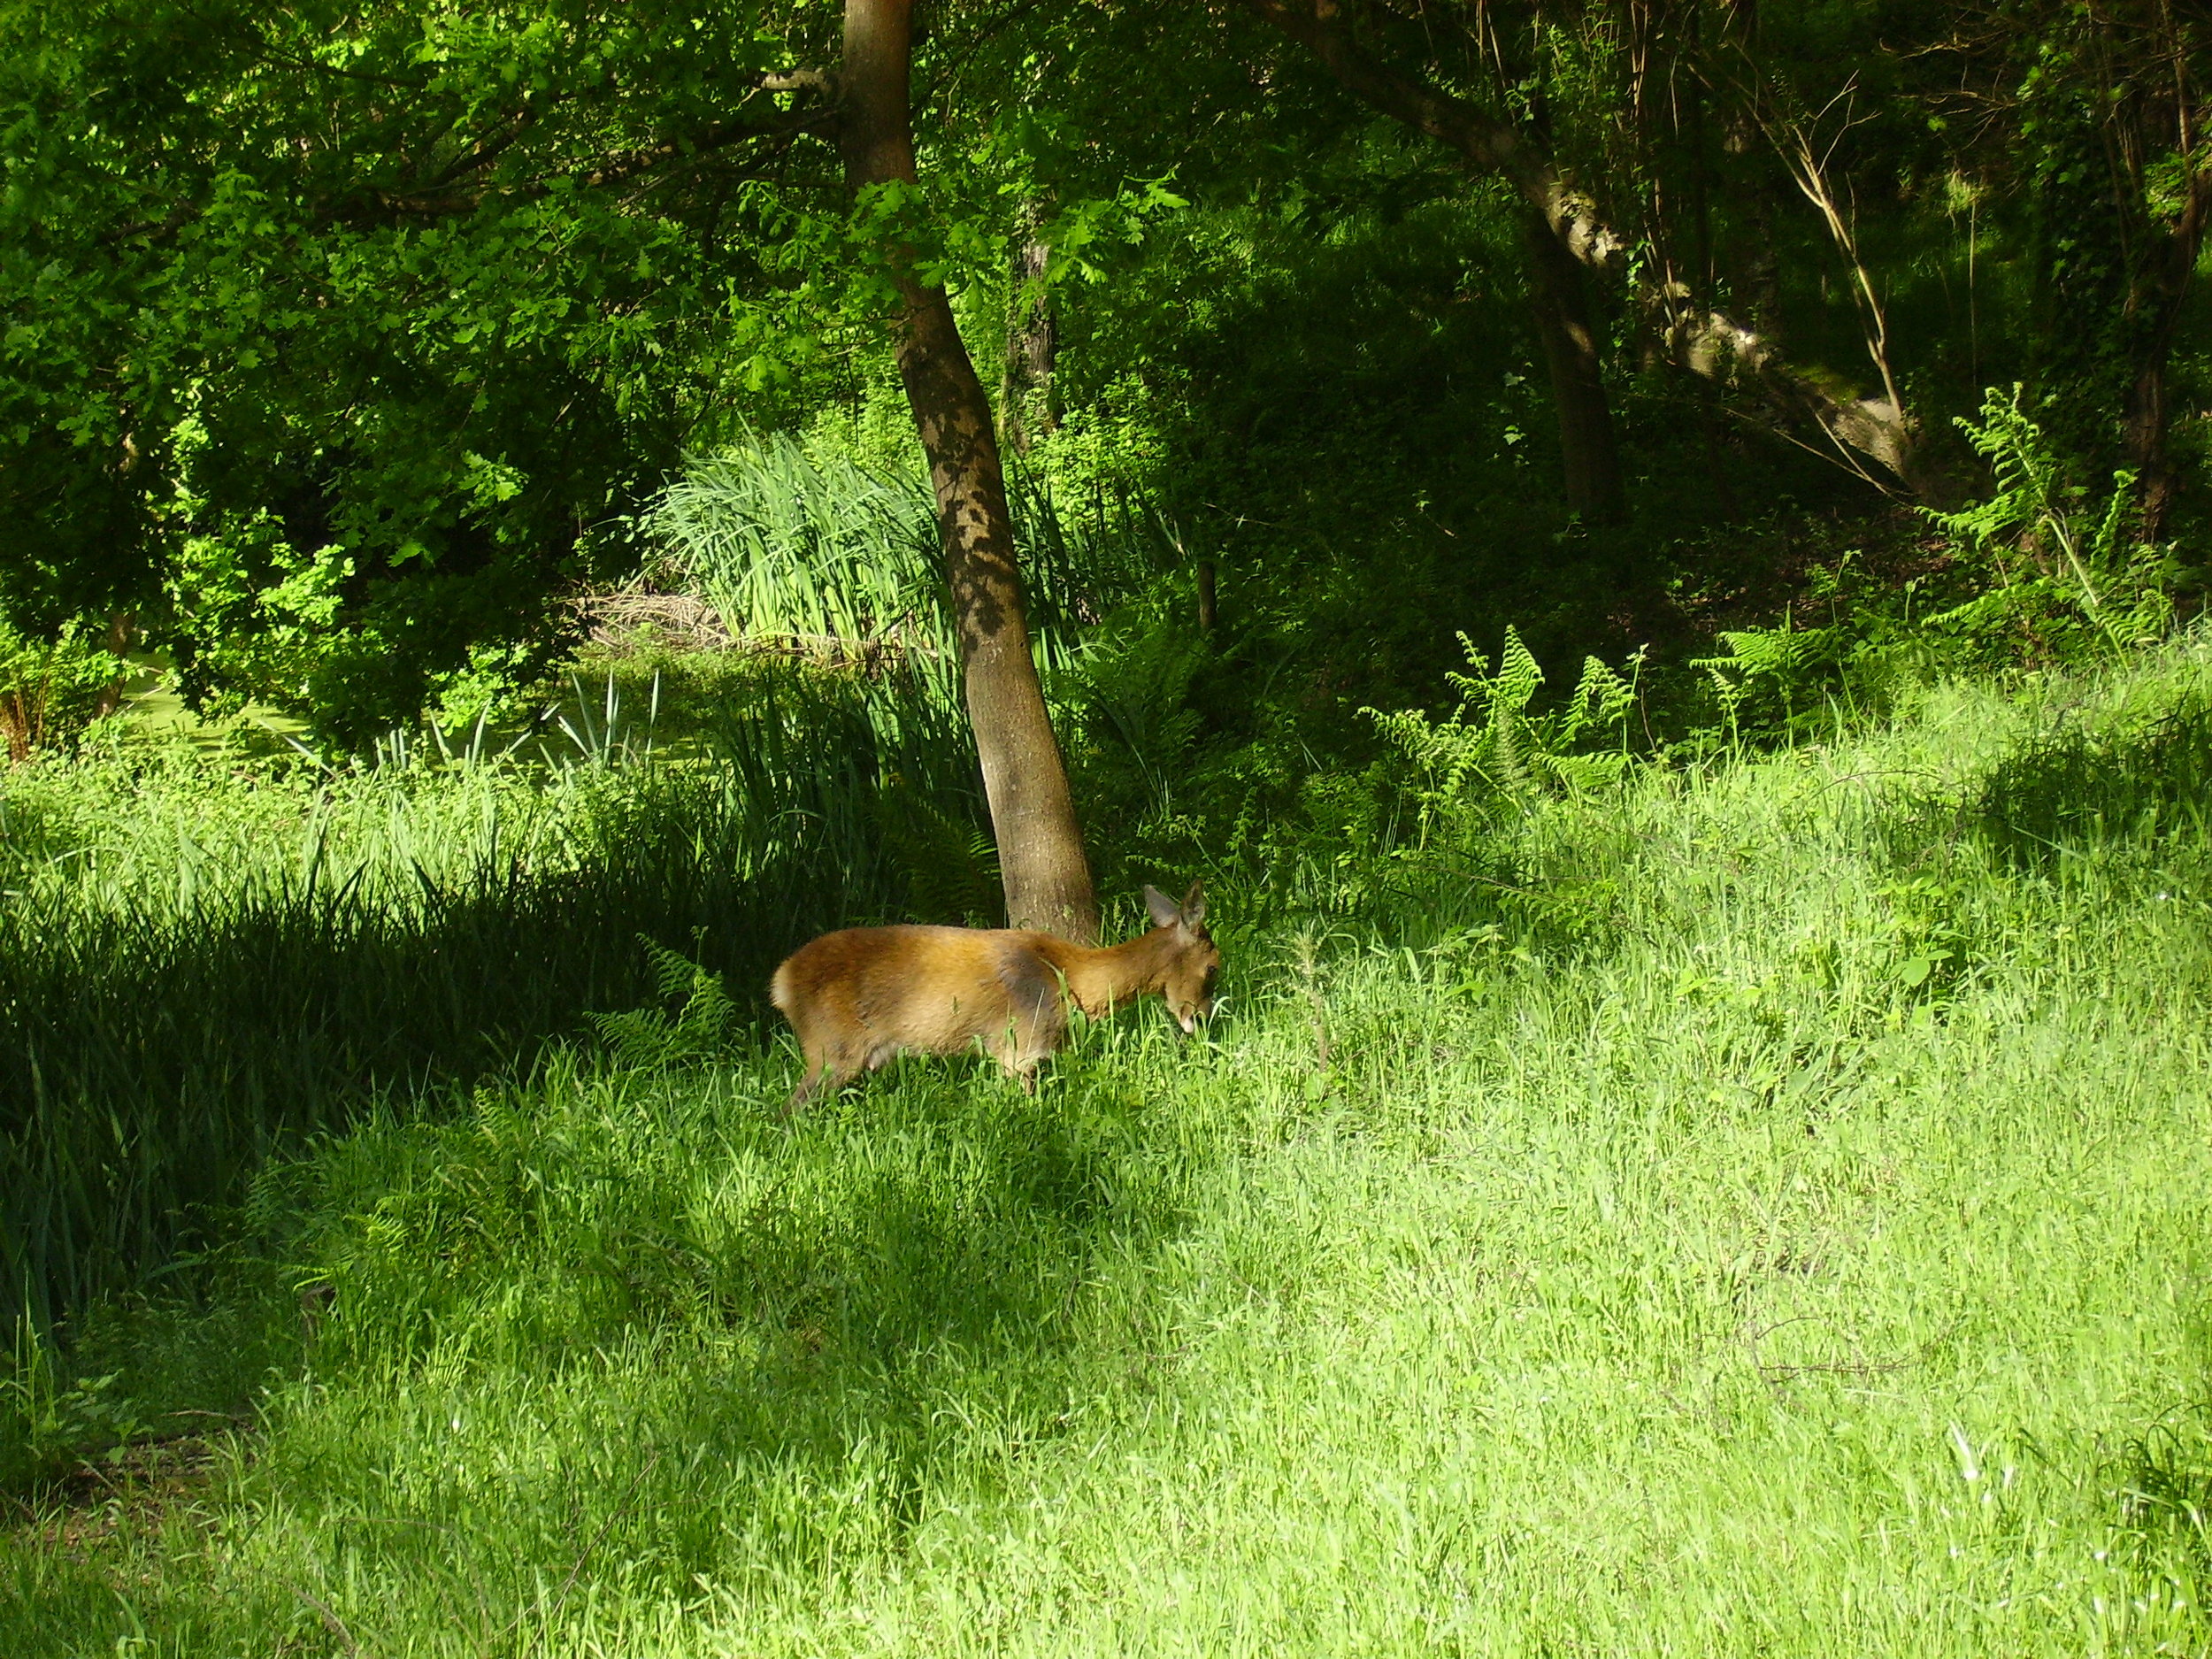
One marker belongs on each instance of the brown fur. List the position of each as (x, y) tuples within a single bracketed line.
[(860, 997)]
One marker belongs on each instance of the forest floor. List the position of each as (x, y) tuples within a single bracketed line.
[(1798, 1246)]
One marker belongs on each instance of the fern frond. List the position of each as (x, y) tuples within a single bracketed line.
[(650, 1038)]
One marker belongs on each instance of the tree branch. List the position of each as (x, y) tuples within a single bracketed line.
[(820, 82), (1488, 144), (1700, 339)]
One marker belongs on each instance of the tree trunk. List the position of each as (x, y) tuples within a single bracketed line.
[(1032, 815), (1587, 450), (2144, 425), (1028, 405), (2157, 294)]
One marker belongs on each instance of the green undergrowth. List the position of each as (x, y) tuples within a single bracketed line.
[(206, 958), (1763, 1214)]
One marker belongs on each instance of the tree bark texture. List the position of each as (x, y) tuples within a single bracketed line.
[(1040, 850), (1588, 452), (1029, 405)]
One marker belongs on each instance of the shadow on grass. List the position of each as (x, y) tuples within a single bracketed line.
[(2165, 1511), (2075, 789), (615, 1341), (152, 1061)]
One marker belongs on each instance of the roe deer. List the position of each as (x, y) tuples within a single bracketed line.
[(859, 997)]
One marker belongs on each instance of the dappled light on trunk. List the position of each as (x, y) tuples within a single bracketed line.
[(1041, 844)]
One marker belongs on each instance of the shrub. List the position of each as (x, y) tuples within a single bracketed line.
[(50, 689)]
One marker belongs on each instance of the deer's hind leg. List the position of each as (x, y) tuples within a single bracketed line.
[(825, 1074), (830, 1065)]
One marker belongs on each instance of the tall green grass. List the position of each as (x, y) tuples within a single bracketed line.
[(204, 961), (827, 553), (1766, 1220), (197, 968)]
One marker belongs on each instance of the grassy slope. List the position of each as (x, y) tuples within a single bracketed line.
[(1807, 1260), (201, 963)]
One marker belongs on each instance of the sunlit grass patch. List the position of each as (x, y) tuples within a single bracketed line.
[(1785, 1237)]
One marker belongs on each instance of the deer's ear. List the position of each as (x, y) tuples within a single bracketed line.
[(1194, 906), (1160, 907)]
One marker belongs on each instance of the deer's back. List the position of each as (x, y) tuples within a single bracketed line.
[(932, 988)]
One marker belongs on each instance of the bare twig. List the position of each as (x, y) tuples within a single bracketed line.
[(332, 1623)]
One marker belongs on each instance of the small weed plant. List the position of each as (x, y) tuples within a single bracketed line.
[(2068, 567), (1494, 744)]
